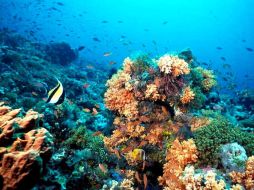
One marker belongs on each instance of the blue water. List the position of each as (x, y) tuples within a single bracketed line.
[(156, 27)]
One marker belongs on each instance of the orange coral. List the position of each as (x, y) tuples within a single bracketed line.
[(152, 92), (246, 178), (178, 156), (173, 64), (187, 95)]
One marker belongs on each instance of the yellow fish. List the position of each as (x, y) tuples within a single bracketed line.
[(56, 95)]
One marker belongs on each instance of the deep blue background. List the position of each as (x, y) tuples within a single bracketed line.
[(153, 26)]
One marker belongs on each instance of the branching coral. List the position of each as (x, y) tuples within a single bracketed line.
[(173, 65), (187, 96), (178, 156)]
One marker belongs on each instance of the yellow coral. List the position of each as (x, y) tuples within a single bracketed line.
[(173, 64), (187, 95)]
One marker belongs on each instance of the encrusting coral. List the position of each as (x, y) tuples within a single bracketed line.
[(25, 146)]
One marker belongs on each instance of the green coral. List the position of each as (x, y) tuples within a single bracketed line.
[(209, 139)]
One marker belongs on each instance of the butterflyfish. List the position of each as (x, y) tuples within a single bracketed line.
[(56, 95)]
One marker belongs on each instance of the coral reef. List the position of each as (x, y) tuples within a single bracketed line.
[(25, 148)]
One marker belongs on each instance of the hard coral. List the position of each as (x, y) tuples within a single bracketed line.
[(173, 65), (22, 162), (178, 156)]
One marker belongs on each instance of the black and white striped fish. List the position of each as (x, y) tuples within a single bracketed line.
[(56, 95)]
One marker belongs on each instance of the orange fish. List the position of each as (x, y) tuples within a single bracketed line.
[(97, 105), (145, 180), (116, 152), (106, 54), (112, 62), (137, 177), (95, 112), (86, 110), (86, 85), (103, 168), (97, 133)]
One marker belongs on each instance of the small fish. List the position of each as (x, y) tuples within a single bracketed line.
[(86, 85), (106, 54), (56, 95), (60, 3), (145, 181), (225, 65), (138, 178), (112, 62), (103, 168), (223, 58), (87, 110), (97, 106), (95, 112), (96, 39), (90, 67), (104, 21), (34, 94), (219, 48), (97, 133), (80, 48), (165, 22), (249, 49), (119, 21)]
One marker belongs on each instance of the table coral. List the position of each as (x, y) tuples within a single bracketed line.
[(24, 148)]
